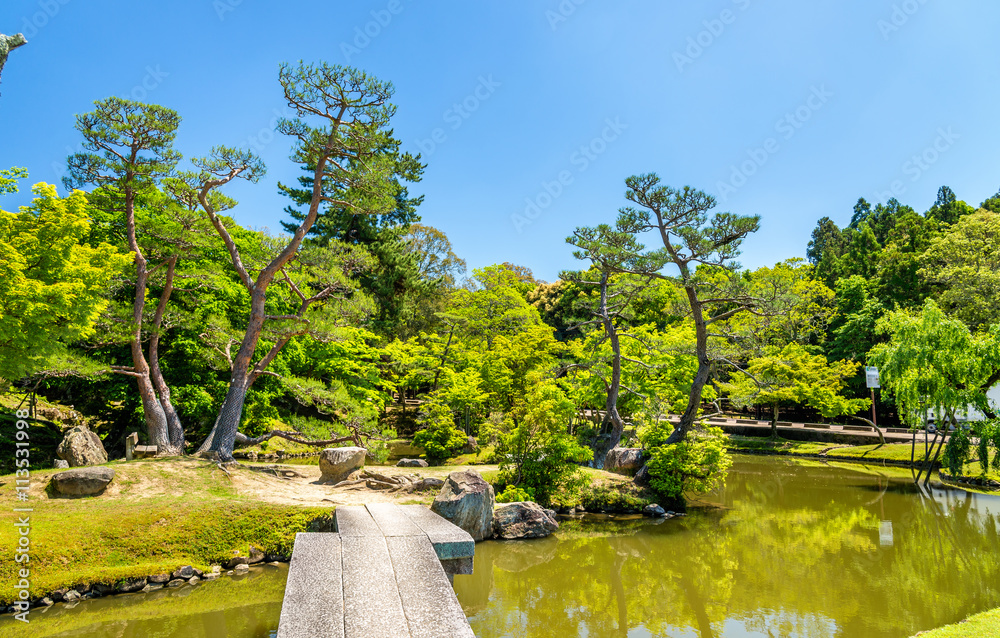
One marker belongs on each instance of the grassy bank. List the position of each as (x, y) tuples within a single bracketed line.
[(888, 454), (155, 517), (984, 624)]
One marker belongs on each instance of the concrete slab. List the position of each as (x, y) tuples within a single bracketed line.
[(429, 602), (372, 605), (313, 606), (821, 426), (449, 540), (858, 428), (393, 521), (354, 520)]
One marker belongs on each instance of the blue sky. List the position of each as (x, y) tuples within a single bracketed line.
[(789, 110)]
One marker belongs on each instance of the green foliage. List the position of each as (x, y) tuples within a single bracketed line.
[(792, 375), (439, 437), (52, 285), (514, 494), (612, 497), (963, 266), (538, 453), (697, 464), (933, 362)]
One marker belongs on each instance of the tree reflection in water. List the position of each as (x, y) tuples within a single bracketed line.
[(785, 549)]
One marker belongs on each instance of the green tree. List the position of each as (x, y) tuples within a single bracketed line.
[(538, 453), (792, 375), (340, 126), (612, 252), (947, 208), (714, 291), (128, 149), (963, 267), (934, 362), (52, 284), (494, 305)]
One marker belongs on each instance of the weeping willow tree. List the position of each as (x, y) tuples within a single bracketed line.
[(933, 362)]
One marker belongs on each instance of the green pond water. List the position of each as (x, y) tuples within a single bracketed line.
[(785, 549)]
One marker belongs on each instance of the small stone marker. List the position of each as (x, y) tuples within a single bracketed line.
[(130, 442)]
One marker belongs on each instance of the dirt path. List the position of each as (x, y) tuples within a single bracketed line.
[(302, 486)]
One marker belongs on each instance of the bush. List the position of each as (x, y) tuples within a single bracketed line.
[(439, 436), (611, 499), (538, 453), (697, 464), (512, 494)]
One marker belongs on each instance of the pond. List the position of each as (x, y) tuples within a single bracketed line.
[(785, 549)]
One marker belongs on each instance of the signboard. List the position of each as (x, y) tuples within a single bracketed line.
[(871, 377)]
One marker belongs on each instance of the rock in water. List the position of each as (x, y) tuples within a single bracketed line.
[(467, 501), (83, 481), (337, 463), (82, 447), (624, 460), (522, 520), (412, 463), (653, 510)]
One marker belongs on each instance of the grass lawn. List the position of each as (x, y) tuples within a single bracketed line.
[(155, 517), (979, 626)]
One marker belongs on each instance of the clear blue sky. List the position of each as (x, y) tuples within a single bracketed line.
[(693, 91)]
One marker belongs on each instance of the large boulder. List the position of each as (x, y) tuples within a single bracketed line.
[(83, 481), (522, 520), (467, 501), (82, 447), (337, 463), (471, 445), (412, 463), (624, 460)]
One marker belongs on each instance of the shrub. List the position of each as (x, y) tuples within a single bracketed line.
[(439, 436), (697, 464), (512, 494), (538, 453)]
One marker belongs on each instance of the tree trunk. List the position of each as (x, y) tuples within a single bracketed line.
[(175, 431), (153, 414), (774, 421), (223, 438), (686, 423), (612, 425)]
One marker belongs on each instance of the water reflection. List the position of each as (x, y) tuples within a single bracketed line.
[(241, 606), (783, 550)]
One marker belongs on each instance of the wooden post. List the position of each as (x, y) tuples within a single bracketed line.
[(874, 422), (130, 442)]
